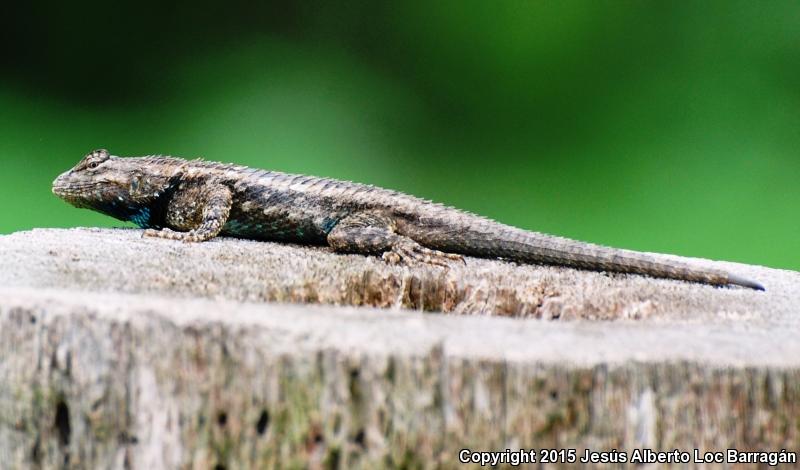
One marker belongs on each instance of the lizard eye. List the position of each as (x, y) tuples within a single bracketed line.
[(93, 165)]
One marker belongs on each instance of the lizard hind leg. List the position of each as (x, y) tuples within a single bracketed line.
[(375, 233)]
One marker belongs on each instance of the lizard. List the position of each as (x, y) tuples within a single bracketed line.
[(197, 200)]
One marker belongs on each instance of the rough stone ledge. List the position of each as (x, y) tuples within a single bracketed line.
[(131, 381)]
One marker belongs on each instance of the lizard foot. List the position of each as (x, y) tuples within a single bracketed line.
[(412, 252)]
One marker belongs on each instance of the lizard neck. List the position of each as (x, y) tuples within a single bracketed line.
[(152, 214)]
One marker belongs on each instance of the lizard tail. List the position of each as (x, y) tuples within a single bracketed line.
[(744, 282), (533, 247)]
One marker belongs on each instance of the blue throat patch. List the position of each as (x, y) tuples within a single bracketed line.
[(141, 218)]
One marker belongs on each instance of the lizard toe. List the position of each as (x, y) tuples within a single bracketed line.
[(153, 233), (391, 257), (414, 253)]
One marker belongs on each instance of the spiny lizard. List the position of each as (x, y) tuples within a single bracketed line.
[(195, 200)]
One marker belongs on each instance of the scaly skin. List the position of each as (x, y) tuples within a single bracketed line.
[(195, 201)]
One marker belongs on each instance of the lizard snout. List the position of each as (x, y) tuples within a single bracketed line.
[(61, 184)]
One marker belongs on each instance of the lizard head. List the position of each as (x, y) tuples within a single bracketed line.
[(123, 188)]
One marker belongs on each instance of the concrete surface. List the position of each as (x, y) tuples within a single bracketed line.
[(119, 352)]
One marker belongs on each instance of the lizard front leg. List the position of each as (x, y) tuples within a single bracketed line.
[(215, 206), (374, 233)]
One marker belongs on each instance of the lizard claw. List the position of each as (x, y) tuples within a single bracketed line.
[(456, 257)]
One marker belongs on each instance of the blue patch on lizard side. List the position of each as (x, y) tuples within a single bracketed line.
[(142, 218), (328, 224), (236, 228)]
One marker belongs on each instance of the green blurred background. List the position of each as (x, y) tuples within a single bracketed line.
[(658, 126)]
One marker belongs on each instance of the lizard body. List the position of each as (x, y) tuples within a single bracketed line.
[(195, 200)]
